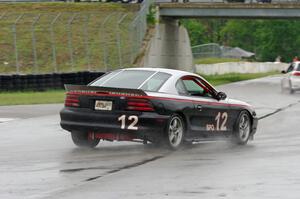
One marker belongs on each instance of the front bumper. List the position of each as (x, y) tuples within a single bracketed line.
[(295, 82), (149, 124)]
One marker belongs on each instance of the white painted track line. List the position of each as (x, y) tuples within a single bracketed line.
[(7, 119)]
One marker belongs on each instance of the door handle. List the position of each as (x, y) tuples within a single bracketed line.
[(199, 107)]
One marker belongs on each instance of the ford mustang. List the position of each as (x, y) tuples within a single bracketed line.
[(156, 105)]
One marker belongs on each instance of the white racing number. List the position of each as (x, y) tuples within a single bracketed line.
[(133, 119), (221, 118)]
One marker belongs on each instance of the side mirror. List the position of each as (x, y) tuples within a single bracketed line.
[(221, 96), (283, 72)]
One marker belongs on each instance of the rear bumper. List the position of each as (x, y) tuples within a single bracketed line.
[(149, 124)]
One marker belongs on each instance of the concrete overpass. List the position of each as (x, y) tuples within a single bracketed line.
[(170, 45), (231, 10)]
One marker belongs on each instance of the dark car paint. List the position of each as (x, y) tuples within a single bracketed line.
[(151, 124), (196, 119), (88, 120)]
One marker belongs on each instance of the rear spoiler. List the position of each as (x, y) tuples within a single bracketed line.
[(107, 90)]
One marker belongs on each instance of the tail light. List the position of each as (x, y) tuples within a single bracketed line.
[(136, 104), (72, 100), (296, 73)]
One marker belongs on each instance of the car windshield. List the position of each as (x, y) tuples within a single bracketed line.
[(133, 79)]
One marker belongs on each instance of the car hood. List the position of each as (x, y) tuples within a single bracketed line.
[(249, 107), (234, 101)]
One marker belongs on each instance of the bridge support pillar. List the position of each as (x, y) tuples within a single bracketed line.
[(170, 47)]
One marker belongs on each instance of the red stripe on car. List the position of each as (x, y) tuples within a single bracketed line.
[(160, 98)]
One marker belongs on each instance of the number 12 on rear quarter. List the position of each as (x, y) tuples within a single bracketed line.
[(133, 120)]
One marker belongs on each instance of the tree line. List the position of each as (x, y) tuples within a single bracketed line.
[(268, 39)]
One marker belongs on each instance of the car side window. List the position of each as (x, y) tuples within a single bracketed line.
[(181, 88), (298, 67), (290, 68), (192, 86)]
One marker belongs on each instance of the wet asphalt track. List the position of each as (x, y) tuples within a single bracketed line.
[(39, 160)]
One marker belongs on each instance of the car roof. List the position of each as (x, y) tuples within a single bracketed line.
[(170, 85), (172, 72)]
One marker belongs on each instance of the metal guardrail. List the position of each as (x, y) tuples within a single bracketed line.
[(139, 28), (206, 50), (215, 50)]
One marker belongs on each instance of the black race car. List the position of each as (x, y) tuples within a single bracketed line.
[(154, 105)]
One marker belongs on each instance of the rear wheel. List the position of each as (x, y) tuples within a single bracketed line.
[(175, 131), (291, 88), (81, 139), (282, 86), (242, 129)]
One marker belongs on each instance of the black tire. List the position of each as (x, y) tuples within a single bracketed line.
[(282, 86), (242, 129), (291, 90), (174, 132), (236, 1), (125, 1), (81, 139)]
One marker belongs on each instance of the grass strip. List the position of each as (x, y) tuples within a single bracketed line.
[(31, 97), (234, 77), (215, 60)]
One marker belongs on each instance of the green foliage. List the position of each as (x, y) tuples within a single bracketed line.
[(197, 31), (151, 15), (240, 33), (267, 38)]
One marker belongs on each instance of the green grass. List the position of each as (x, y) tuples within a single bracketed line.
[(87, 32), (58, 96), (234, 77), (215, 60), (30, 97)]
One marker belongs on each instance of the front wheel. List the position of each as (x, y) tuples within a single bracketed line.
[(291, 88), (175, 131), (81, 139), (242, 130)]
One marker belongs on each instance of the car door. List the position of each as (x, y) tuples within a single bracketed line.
[(209, 116)]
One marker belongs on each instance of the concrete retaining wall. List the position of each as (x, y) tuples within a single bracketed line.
[(170, 47), (239, 67)]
